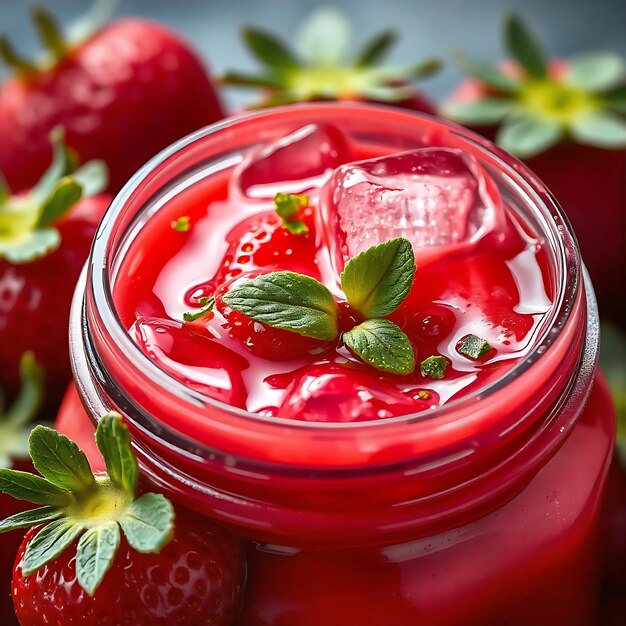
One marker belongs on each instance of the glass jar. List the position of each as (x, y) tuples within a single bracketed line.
[(481, 512)]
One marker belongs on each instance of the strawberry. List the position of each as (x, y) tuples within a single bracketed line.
[(45, 237), (15, 426), (566, 120), (123, 92), (319, 71), (98, 554)]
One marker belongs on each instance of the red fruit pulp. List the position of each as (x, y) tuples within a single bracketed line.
[(496, 289)]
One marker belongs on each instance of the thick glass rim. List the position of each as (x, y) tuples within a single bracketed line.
[(557, 227)]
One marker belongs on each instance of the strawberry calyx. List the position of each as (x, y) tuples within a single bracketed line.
[(319, 70), (77, 505), (537, 104), (57, 44), (27, 220), (16, 421)]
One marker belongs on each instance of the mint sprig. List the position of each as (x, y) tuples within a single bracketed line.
[(206, 306), (535, 109), (375, 283), (77, 505), (474, 347)]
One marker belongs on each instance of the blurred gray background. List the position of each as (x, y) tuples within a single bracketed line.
[(426, 27)]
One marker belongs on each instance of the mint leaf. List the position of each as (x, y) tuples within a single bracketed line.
[(148, 523), (434, 367), (381, 344), (474, 347), (479, 112), (207, 306), (28, 519), (488, 74), (64, 196), (25, 486), (526, 136), (287, 208), (287, 300), (379, 279), (602, 129), (595, 72), (60, 460), (95, 554), (49, 543), (182, 224), (524, 48), (113, 440), (376, 48), (323, 37), (269, 50)]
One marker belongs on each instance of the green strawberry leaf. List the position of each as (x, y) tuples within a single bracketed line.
[(474, 347), (49, 543), (113, 440), (289, 301), (60, 460), (95, 555), (49, 32), (602, 129), (488, 74), (93, 177), (27, 519), (381, 344), (63, 163), (269, 50), (287, 207), (148, 523), (239, 79), (32, 488), (526, 136), (207, 305), (27, 403), (377, 280), (13, 59), (487, 111), (5, 192), (324, 36), (524, 48), (63, 197), (434, 367), (30, 246), (596, 72), (375, 49), (616, 99)]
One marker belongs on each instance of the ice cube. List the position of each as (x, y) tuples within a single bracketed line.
[(302, 160), (440, 199)]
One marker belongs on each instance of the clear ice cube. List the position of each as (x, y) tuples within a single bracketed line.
[(440, 199), (295, 163)]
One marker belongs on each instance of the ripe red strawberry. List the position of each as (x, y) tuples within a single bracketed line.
[(16, 423), (318, 70), (122, 92), (566, 120), (45, 237), (100, 555)]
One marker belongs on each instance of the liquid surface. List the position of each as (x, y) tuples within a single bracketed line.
[(478, 272)]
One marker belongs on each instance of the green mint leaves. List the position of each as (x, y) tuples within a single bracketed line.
[(434, 367), (537, 108), (78, 505), (378, 280), (381, 344), (474, 347), (206, 306), (375, 283), (287, 208), (289, 301)]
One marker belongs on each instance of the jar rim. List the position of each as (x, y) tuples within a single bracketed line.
[(557, 228)]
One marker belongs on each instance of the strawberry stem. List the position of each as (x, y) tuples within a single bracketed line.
[(49, 33), (11, 57)]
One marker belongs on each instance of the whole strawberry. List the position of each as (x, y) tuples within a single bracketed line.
[(123, 92), (16, 422), (45, 237), (566, 119), (318, 69), (98, 554)]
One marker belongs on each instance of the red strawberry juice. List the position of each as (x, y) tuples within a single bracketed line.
[(369, 497)]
